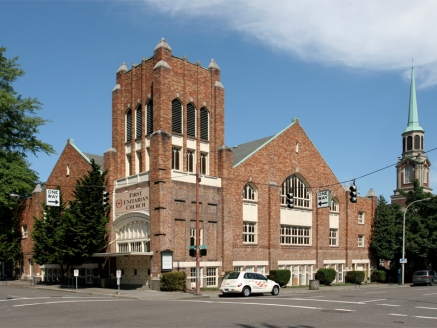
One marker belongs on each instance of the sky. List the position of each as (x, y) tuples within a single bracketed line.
[(341, 67)]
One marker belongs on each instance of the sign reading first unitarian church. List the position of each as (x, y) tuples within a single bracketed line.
[(53, 197), (132, 200)]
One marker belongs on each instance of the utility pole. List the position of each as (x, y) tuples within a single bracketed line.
[(197, 233)]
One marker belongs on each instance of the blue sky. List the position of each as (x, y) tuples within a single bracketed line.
[(341, 67)]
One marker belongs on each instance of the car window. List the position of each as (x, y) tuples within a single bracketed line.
[(420, 273), (260, 277), (232, 275), (249, 276)]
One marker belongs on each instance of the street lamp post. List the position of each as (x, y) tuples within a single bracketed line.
[(403, 237)]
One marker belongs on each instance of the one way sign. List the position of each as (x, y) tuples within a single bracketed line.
[(323, 198), (52, 197)]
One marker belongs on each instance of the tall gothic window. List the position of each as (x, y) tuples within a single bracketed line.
[(176, 118), (128, 125), (204, 124), (409, 143), (190, 160), (416, 142), (139, 122), (408, 174), (191, 120), (149, 117)]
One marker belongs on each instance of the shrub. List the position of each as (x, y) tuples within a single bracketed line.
[(282, 277), (355, 277), (378, 276), (326, 276), (171, 281)]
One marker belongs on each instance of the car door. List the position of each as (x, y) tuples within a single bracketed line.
[(261, 282)]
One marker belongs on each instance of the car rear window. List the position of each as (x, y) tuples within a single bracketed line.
[(232, 275), (420, 273)]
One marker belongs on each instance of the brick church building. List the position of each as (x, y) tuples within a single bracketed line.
[(168, 123)]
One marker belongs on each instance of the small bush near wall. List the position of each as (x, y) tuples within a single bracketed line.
[(282, 277), (355, 277), (172, 281), (326, 276), (378, 276)]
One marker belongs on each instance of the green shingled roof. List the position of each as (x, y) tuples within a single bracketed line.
[(413, 114)]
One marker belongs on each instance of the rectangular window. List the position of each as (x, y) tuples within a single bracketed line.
[(211, 277), (249, 232), (291, 235), (333, 237), (147, 159), (250, 269), (261, 269), (128, 165), (190, 161), (203, 163), (340, 272), (360, 240), (175, 162), (238, 268), (136, 246), (360, 217), (193, 237), (24, 232), (123, 247), (139, 162)]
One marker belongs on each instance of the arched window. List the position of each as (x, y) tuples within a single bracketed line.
[(191, 120), (139, 122), (334, 205), (408, 174), (421, 143), (302, 194), (403, 146), (409, 143), (249, 192), (149, 117), (204, 124), (176, 116), (416, 142), (129, 125)]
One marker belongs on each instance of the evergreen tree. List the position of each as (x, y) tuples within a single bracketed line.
[(85, 229), (48, 236), (384, 245)]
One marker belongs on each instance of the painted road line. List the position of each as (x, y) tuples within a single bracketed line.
[(50, 297), (345, 310), (381, 299), (398, 315), (81, 301), (249, 303), (388, 304), (423, 307), (430, 294), (422, 317), (330, 301)]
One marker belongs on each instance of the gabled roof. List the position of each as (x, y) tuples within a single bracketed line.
[(244, 151), (97, 158)]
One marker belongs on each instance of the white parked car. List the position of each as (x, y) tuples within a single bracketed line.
[(248, 283)]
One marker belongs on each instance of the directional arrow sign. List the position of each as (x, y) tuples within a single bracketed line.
[(52, 197), (323, 198)]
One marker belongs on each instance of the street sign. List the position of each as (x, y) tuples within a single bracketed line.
[(53, 197), (118, 274), (76, 273), (402, 261), (323, 198)]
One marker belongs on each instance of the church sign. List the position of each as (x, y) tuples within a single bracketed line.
[(132, 200)]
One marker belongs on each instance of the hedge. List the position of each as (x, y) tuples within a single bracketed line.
[(378, 276), (282, 277), (326, 276), (172, 281), (355, 277)]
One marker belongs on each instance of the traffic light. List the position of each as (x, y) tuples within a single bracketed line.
[(202, 251), (290, 200), (192, 252), (105, 200), (353, 193)]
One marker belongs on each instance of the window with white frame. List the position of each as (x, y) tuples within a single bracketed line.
[(360, 217), (261, 269), (193, 237), (203, 163), (238, 268), (250, 268), (175, 159), (333, 235), (340, 273), (334, 205), (408, 174), (360, 240), (211, 277), (24, 232), (123, 247), (190, 160), (249, 192), (301, 193), (249, 232), (292, 235)]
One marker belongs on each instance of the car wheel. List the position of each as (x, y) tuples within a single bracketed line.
[(431, 282), (275, 290), (246, 291)]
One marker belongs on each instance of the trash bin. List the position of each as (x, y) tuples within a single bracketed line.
[(399, 277), (314, 284)]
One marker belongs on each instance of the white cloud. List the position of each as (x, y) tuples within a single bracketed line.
[(364, 34)]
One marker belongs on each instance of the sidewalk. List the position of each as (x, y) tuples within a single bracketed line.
[(148, 294)]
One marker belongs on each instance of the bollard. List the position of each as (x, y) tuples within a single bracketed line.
[(314, 284)]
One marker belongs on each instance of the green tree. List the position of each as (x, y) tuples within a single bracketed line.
[(19, 126), (385, 229), (48, 236), (85, 228)]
